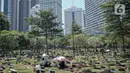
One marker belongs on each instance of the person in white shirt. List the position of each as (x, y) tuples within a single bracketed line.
[(38, 69)]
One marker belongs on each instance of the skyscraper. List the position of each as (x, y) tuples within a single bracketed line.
[(73, 14), (56, 5), (12, 12), (34, 2), (0, 5), (34, 9), (16, 11), (93, 16), (5, 7), (24, 7)]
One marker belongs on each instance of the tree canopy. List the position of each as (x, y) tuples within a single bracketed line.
[(4, 23), (76, 29), (114, 27)]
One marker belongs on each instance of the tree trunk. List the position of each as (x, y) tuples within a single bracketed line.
[(46, 41)]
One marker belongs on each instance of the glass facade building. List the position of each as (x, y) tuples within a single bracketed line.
[(24, 7), (12, 12), (16, 11), (5, 7), (0, 5), (93, 16), (55, 5), (73, 14), (34, 2)]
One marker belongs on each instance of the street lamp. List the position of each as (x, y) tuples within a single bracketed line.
[(120, 11), (122, 33)]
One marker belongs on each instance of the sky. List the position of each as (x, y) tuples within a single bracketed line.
[(69, 3)]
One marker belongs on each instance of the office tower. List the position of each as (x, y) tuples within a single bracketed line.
[(34, 2), (12, 12), (16, 11), (0, 5), (34, 9), (24, 7), (5, 7), (73, 14), (93, 16), (24, 10), (56, 5)]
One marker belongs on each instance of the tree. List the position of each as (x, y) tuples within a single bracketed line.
[(95, 41), (115, 27), (80, 41), (76, 29), (8, 41), (23, 42), (45, 21), (4, 23)]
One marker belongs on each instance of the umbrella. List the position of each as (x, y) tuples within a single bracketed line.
[(60, 58)]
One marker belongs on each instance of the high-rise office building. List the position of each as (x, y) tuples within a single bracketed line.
[(5, 7), (34, 9), (73, 14), (12, 13), (16, 11), (93, 16), (24, 7), (34, 2), (56, 5), (0, 5)]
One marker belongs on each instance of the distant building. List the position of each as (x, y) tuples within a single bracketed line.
[(12, 13), (56, 5), (34, 2), (5, 7), (16, 11), (34, 9), (93, 16), (24, 7), (0, 5), (73, 14)]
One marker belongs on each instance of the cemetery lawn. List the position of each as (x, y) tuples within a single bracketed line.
[(29, 69), (21, 68)]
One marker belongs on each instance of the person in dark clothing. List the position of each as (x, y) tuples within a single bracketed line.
[(37, 71), (1, 68), (62, 65)]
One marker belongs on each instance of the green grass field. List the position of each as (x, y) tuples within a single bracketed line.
[(21, 68), (29, 69)]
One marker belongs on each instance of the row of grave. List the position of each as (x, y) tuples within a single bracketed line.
[(12, 70), (89, 71), (39, 71)]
